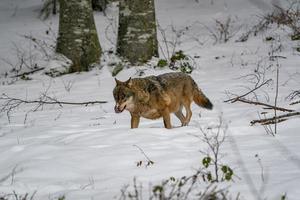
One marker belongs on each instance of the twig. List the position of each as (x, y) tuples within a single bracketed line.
[(272, 119), (296, 102), (39, 43), (267, 127), (111, 35), (232, 100), (149, 161), (293, 95), (276, 96), (264, 104), (27, 73), (165, 42), (11, 175), (50, 101), (272, 57), (11, 103)]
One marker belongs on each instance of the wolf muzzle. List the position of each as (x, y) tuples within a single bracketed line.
[(118, 110)]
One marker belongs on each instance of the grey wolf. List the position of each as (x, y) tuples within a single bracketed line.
[(153, 97)]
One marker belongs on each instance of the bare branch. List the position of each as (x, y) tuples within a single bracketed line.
[(278, 118), (293, 95), (51, 100), (232, 100), (295, 102), (264, 104), (11, 103), (276, 97), (27, 73)]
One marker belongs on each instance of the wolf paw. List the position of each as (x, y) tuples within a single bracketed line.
[(184, 123)]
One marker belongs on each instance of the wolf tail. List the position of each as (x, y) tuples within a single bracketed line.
[(200, 99)]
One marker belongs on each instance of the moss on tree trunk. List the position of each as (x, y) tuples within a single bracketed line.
[(137, 39), (77, 37)]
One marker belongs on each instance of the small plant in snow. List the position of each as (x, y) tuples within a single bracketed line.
[(15, 196), (178, 62), (62, 198), (148, 162), (215, 170), (223, 31), (27, 196), (181, 62), (287, 16), (68, 84), (162, 63), (169, 44), (118, 68), (184, 188)]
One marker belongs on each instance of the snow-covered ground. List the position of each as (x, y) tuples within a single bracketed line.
[(89, 152)]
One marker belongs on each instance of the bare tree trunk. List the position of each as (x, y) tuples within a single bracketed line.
[(99, 5), (78, 39), (137, 39), (54, 9)]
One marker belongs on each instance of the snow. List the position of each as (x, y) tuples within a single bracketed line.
[(89, 152)]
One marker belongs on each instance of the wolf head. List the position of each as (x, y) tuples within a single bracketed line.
[(123, 95)]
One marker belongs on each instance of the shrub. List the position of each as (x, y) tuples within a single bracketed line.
[(162, 63), (181, 62), (289, 17), (119, 67)]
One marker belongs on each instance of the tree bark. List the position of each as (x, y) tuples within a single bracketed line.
[(54, 8), (78, 38), (99, 5), (137, 38)]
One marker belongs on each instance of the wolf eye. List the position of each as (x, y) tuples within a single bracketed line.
[(128, 94), (122, 96)]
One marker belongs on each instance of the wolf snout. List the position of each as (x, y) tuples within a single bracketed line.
[(118, 109)]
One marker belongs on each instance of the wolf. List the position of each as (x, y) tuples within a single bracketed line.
[(153, 97)]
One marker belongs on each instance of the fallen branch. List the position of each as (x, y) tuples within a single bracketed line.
[(232, 100), (264, 104), (274, 119), (276, 98), (11, 103), (295, 102), (273, 57), (293, 95), (274, 122), (49, 100), (27, 73), (266, 121)]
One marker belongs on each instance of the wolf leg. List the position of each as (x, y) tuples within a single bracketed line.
[(187, 106), (135, 120), (167, 119), (180, 116)]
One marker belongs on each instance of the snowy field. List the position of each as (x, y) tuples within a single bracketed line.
[(90, 152)]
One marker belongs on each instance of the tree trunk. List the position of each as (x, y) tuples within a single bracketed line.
[(54, 9), (137, 40), (77, 37), (99, 5)]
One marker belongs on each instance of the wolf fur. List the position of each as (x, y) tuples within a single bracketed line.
[(153, 97)]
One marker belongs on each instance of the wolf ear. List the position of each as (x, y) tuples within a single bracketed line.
[(129, 82), (117, 81)]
